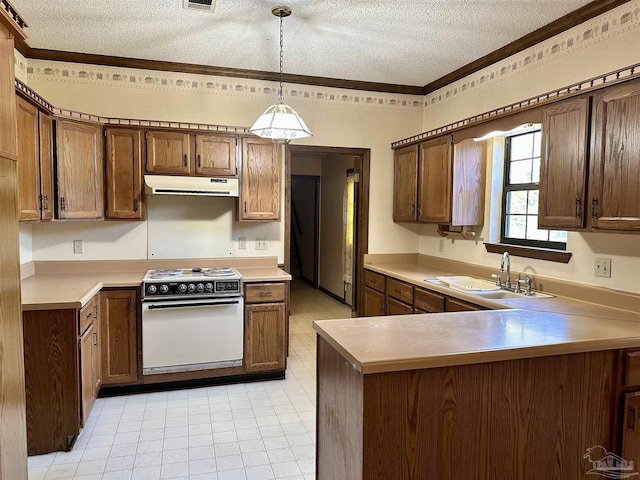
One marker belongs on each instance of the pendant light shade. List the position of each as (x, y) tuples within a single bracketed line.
[(280, 122)]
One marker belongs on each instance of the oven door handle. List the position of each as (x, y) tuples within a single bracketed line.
[(197, 304)]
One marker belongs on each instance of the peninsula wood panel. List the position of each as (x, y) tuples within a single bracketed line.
[(469, 166), (51, 379), (118, 327), (615, 167), (168, 152), (79, 170), (264, 341), (260, 184), (563, 166), (405, 184), (28, 160), (216, 155), (434, 181), (46, 166), (124, 173), (8, 129)]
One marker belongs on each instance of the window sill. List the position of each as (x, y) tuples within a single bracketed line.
[(530, 252)]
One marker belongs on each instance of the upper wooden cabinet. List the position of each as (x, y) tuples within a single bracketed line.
[(46, 166), (469, 173), (215, 155), (168, 152), (563, 164), (260, 184), (405, 181), (614, 187), (8, 137), (124, 174), (434, 181), (79, 170)]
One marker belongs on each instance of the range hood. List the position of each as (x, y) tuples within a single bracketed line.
[(203, 186)]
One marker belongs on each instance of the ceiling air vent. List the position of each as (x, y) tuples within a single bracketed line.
[(202, 5)]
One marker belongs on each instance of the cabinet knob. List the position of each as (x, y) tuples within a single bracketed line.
[(578, 203)]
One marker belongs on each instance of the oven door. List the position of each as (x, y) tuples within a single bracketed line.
[(188, 335)]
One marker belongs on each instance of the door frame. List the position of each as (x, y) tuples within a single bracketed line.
[(316, 241), (362, 166)]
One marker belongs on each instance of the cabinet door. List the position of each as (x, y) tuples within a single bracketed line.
[(405, 184), (28, 161), (216, 155), (260, 185), (394, 307), (168, 152), (631, 428), (615, 169), (87, 387), (373, 303), (119, 336), (434, 181), (96, 351), (264, 337), (8, 132), (467, 197), (79, 170), (563, 164), (124, 173), (46, 166)]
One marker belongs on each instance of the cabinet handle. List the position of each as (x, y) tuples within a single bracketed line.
[(63, 207), (413, 209), (46, 202), (397, 290), (266, 294), (419, 208), (131, 305), (633, 416), (199, 161), (135, 205), (578, 203), (95, 310), (41, 200), (245, 206), (95, 339), (184, 161), (594, 207)]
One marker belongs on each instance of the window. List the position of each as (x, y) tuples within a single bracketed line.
[(520, 195)]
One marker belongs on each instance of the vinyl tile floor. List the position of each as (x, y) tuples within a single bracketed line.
[(250, 431)]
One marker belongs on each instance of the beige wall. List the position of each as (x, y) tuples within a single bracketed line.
[(343, 118), (617, 47)]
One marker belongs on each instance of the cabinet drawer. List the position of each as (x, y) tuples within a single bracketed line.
[(264, 292), (87, 315), (374, 280), (455, 305), (400, 290), (633, 369), (394, 307), (428, 301)]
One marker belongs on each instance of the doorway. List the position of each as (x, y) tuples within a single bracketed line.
[(332, 186)]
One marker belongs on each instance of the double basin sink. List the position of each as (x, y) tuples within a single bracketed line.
[(482, 288)]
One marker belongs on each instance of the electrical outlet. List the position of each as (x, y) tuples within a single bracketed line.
[(602, 267), (261, 244), (441, 245), (77, 246), (242, 243)]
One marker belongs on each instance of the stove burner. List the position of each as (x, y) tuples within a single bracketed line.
[(165, 273), (218, 272)]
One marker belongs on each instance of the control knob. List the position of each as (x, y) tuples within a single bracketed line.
[(209, 287), (164, 288), (191, 288), (151, 289), (200, 287), (182, 288)]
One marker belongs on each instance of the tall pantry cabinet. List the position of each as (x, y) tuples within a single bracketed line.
[(13, 437)]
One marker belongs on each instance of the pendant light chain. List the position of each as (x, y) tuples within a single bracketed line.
[(281, 58)]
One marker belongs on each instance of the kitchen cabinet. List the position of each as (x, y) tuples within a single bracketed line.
[(614, 186), (434, 181), (260, 180), (119, 326), (216, 155), (455, 305), (399, 297), (405, 182), (563, 164), (62, 374), (427, 301), (396, 307), (265, 326), (124, 174), (80, 179), (168, 152), (468, 182), (631, 428), (35, 162), (8, 131), (374, 303)]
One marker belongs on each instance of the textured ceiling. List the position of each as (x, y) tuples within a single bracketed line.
[(405, 42)]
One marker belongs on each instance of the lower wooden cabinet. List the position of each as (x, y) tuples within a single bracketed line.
[(395, 307), (87, 376), (119, 336), (455, 305), (373, 303), (264, 337), (631, 428)]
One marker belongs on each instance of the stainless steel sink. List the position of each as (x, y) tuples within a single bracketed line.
[(505, 294)]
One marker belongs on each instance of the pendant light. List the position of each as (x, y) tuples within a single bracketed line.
[(280, 122)]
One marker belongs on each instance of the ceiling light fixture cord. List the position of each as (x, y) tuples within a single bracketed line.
[(281, 57)]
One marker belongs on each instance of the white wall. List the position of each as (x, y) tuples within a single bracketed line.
[(26, 243), (337, 117), (614, 43)]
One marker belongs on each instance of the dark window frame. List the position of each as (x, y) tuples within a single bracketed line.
[(508, 187)]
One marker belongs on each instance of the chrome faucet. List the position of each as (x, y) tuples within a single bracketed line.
[(506, 260)]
